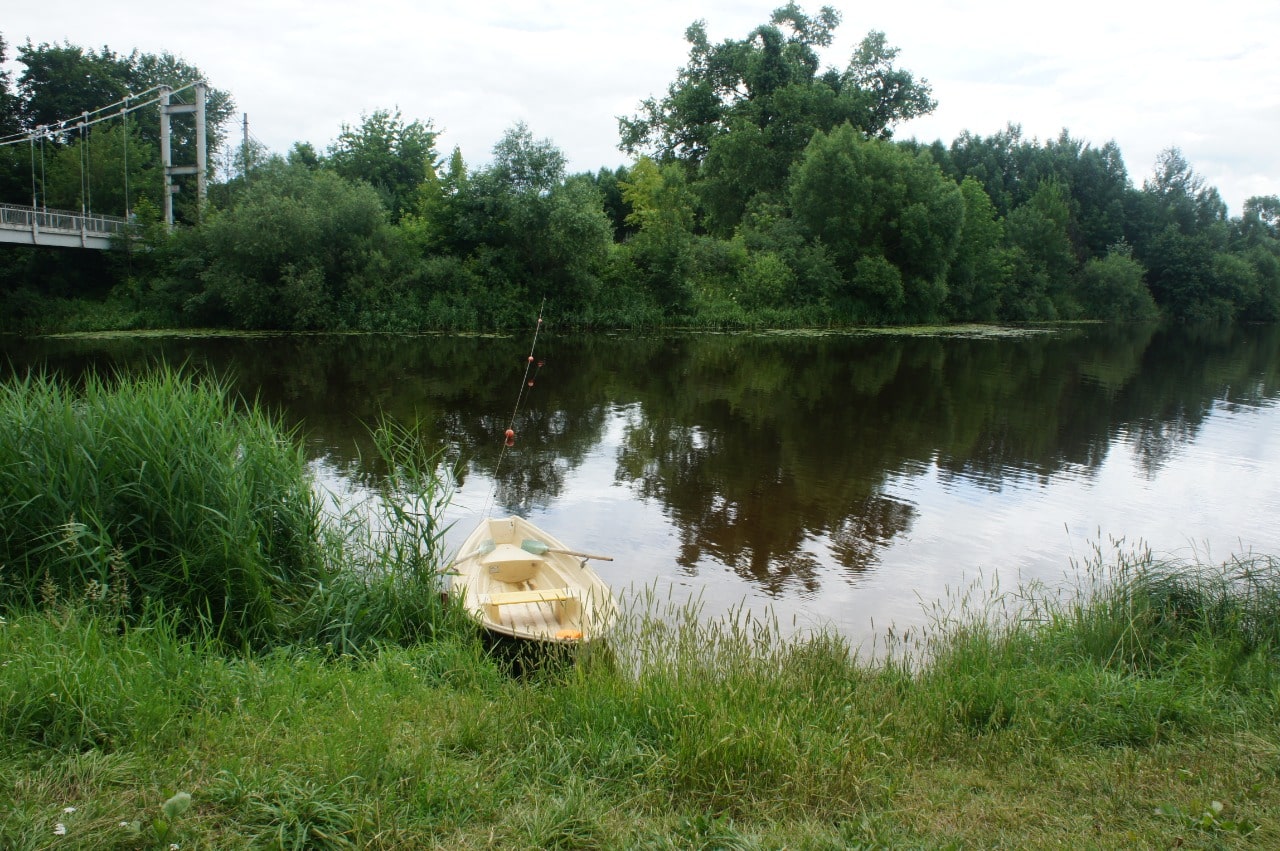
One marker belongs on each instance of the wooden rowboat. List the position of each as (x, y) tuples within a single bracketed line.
[(515, 579)]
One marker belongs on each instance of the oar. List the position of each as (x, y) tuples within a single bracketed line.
[(538, 548), (483, 549)]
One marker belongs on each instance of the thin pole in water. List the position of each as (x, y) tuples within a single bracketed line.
[(509, 437)]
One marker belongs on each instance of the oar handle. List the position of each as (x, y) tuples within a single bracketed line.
[(578, 554)]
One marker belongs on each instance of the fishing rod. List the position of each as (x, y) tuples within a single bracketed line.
[(526, 382)]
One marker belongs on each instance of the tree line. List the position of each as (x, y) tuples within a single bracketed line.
[(763, 189)]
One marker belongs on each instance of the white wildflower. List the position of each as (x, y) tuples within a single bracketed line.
[(59, 829)]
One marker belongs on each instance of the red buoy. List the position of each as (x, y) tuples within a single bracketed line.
[(511, 437)]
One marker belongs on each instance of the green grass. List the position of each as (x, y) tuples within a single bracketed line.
[(1142, 712), (1138, 707)]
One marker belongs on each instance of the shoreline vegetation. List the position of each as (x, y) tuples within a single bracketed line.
[(192, 653), (765, 189)]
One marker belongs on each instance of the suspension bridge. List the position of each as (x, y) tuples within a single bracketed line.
[(40, 225)]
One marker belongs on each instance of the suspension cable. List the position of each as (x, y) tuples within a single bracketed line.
[(22, 136)]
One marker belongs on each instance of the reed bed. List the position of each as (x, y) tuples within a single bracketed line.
[(164, 490), (1139, 705), (155, 488)]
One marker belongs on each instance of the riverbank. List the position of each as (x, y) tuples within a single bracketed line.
[(1145, 718), (188, 657)]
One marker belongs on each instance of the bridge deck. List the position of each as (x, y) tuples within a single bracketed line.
[(62, 228)]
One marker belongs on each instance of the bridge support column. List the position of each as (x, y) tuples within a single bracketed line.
[(167, 110)]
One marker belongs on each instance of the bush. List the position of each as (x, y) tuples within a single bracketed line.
[(1113, 288)]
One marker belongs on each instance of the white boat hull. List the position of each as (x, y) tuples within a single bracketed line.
[(514, 579)]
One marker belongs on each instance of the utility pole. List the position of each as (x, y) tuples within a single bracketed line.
[(244, 148)]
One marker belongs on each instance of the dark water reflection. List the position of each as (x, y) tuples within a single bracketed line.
[(837, 476)]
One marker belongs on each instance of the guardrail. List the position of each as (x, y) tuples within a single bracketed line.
[(58, 227)]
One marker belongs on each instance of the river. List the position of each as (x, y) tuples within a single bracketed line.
[(842, 479)]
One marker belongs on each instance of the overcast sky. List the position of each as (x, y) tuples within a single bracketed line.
[(1203, 77)]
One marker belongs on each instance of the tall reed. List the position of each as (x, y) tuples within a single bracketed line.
[(155, 486), (389, 547)]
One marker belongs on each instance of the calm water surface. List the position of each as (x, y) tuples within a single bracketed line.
[(838, 479)]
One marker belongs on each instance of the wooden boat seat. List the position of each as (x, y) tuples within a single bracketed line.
[(509, 563), (566, 597)]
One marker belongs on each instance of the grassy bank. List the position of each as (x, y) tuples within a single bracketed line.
[(1145, 717), (1139, 710)]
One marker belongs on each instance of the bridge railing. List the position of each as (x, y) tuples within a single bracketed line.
[(66, 221)]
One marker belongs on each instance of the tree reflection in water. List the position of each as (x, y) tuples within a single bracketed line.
[(769, 455)]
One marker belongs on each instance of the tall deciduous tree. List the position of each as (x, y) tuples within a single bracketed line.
[(980, 270), (518, 229), (890, 219), (525, 165), (393, 157), (296, 253), (1178, 227), (8, 102), (742, 111), (15, 185), (105, 172), (1044, 258), (662, 209)]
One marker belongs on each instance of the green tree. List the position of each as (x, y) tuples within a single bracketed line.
[(662, 209), (524, 165), (60, 82), (743, 79), (876, 206), (1178, 226), (517, 231), (980, 270), (1264, 211), (393, 157), (1113, 287), (303, 250), (742, 111), (148, 70), (1093, 181), (1257, 239), (609, 184), (433, 226), (994, 161), (1044, 258), (106, 171), (9, 118), (15, 184)]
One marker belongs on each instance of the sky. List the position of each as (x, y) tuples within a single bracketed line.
[(1149, 75)]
